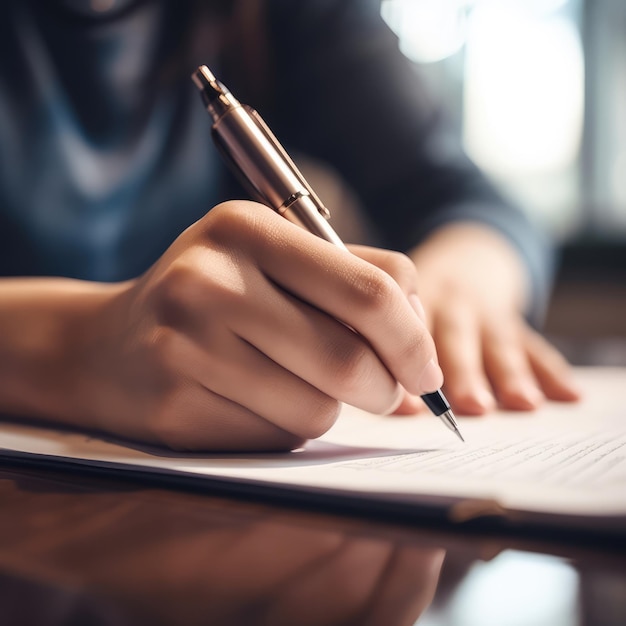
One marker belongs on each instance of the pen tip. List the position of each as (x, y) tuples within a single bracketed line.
[(455, 425), (448, 419)]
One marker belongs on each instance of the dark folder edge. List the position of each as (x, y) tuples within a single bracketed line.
[(427, 511)]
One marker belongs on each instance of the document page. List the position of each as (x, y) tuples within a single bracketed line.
[(564, 459)]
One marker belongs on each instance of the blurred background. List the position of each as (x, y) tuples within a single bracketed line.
[(537, 90)]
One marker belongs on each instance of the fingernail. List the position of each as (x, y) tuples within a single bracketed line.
[(485, 399), (533, 395), (431, 378), (572, 384), (416, 303), (520, 395), (397, 401)]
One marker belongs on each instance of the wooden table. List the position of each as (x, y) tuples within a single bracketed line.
[(90, 549)]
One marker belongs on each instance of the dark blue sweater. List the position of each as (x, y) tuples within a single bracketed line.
[(105, 150)]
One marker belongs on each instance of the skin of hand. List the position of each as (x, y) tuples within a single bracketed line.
[(474, 290), (239, 337)]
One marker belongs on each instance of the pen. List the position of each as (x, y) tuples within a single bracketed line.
[(270, 176)]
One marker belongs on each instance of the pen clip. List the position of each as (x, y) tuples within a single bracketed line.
[(269, 135)]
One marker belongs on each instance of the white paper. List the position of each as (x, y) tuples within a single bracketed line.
[(564, 459)]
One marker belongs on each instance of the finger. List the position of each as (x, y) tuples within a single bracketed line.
[(508, 367), (409, 405), (457, 336), (202, 420), (552, 371), (400, 267), (349, 289), (232, 297), (317, 349), (241, 373)]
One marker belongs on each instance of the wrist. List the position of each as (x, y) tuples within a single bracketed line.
[(474, 260), (47, 329)]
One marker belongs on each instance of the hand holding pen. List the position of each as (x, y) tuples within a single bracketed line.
[(246, 334), (264, 167)]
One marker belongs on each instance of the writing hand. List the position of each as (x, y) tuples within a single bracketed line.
[(232, 340)]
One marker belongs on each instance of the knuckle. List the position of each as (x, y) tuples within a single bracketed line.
[(225, 213), (416, 347), (186, 292), (372, 290), (402, 270), (235, 220)]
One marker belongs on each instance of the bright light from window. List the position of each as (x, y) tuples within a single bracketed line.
[(428, 31), (518, 589), (523, 90)]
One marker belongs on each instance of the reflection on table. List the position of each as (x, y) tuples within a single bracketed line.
[(90, 550)]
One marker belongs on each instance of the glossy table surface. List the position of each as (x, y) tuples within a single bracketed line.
[(94, 549)]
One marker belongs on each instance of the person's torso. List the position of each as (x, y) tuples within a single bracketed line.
[(105, 150)]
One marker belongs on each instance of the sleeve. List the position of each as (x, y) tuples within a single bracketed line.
[(342, 92)]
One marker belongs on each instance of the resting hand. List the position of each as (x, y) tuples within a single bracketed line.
[(473, 290)]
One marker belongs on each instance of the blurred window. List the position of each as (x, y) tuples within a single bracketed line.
[(538, 89)]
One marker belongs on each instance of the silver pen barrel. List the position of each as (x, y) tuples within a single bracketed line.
[(268, 172)]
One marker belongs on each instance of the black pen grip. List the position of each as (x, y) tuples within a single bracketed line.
[(436, 402)]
